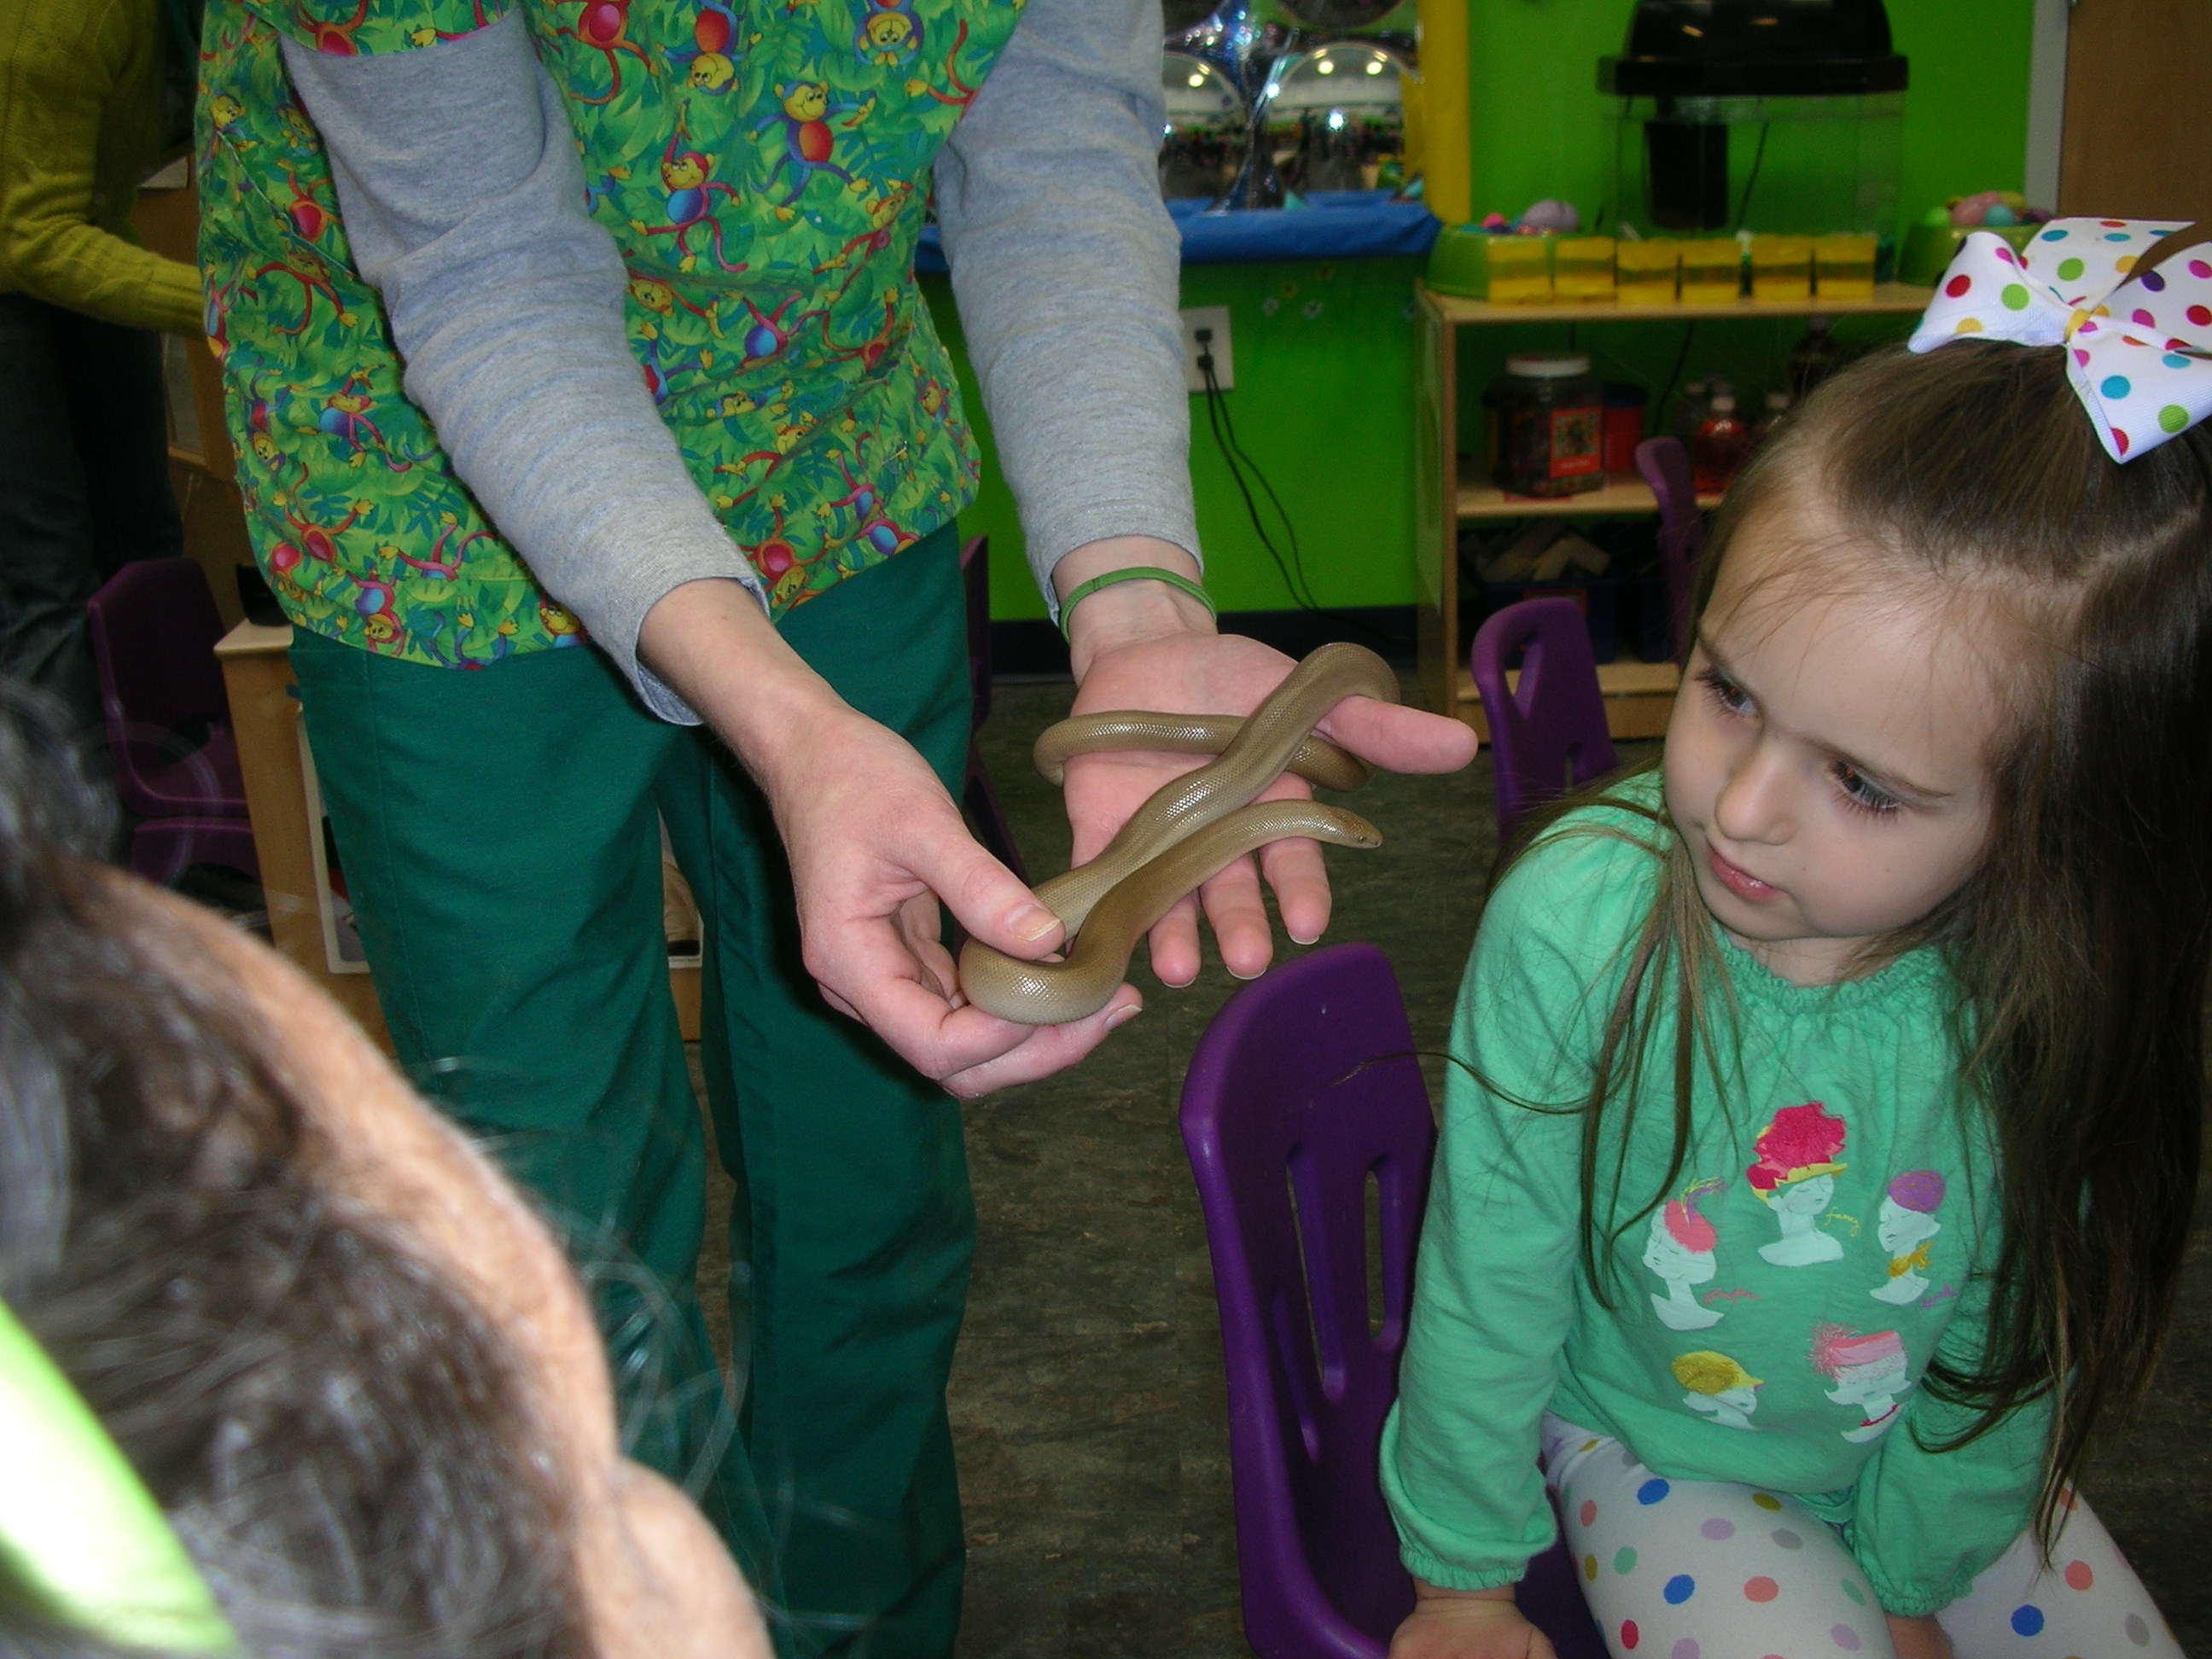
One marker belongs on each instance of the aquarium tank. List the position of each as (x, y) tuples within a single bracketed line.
[(1777, 117)]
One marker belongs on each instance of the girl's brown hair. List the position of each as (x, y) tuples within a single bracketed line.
[(2080, 945)]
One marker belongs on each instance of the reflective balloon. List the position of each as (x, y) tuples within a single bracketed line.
[(1334, 117), (1205, 131)]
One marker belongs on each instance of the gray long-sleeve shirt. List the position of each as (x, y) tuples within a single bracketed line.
[(462, 198)]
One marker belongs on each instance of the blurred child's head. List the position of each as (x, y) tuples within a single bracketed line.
[(333, 1341), (1939, 623)]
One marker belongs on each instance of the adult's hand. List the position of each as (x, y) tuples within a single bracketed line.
[(874, 842), (1146, 644)]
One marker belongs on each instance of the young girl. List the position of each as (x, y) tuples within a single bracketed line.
[(1828, 1133)]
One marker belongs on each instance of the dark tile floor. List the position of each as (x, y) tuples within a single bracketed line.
[(1087, 1395)]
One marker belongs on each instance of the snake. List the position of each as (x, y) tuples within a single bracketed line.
[(1190, 828)]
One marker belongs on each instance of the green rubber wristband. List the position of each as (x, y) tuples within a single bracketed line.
[(1146, 573)]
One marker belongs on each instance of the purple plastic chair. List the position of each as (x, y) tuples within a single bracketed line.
[(1549, 731), (153, 628), (1665, 466), (976, 794), (1302, 1092)]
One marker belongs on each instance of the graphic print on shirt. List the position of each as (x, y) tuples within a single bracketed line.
[(1795, 1174), (1868, 1372), (1719, 1387), (1680, 1251), (1908, 1223)]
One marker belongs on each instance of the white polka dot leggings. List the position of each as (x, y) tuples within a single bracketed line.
[(1705, 1569)]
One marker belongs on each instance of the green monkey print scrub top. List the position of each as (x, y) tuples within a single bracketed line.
[(762, 168)]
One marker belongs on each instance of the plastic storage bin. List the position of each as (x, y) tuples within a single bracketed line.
[(1646, 273), (1781, 267), (1582, 268), (1843, 266), (1502, 269), (1712, 270), (1520, 270)]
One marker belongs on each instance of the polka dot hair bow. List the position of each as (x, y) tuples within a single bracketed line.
[(2139, 347)]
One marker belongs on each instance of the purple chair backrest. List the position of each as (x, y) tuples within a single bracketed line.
[(975, 577), (1665, 466), (1548, 732), (153, 628), (1310, 1130)]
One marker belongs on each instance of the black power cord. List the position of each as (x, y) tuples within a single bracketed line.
[(1224, 435), (1661, 411), (1757, 161), (1239, 461)]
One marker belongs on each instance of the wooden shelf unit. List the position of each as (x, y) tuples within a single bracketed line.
[(1890, 299), (1448, 493), (1623, 493)]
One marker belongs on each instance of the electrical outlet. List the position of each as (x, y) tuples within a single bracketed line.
[(1214, 318)]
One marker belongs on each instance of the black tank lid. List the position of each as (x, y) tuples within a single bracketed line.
[(1755, 48)]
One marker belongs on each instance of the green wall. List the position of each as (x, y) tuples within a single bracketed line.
[(1324, 372), (1324, 369)]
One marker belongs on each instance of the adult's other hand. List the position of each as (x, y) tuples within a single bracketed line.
[(874, 842)]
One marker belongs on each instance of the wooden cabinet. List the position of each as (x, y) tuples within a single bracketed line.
[(288, 832), (1450, 493)]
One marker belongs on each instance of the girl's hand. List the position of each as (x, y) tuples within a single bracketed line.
[(1469, 1624), (1918, 1639)]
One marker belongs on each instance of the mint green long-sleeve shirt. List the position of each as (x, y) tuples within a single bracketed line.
[(1773, 1320)]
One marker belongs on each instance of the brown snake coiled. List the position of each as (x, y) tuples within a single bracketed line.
[(1185, 834)]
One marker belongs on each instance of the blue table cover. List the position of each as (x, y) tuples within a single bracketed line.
[(1344, 224)]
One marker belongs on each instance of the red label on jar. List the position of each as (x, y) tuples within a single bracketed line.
[(1578, 441)]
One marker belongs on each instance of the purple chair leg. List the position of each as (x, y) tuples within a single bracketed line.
[(1665, 466)]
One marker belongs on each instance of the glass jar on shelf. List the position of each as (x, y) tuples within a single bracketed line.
[(1547, 426)]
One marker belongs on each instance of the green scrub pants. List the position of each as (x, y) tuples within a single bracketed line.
[(497, 833)]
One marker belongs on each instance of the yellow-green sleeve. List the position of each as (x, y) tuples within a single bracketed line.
[(62, 61)]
